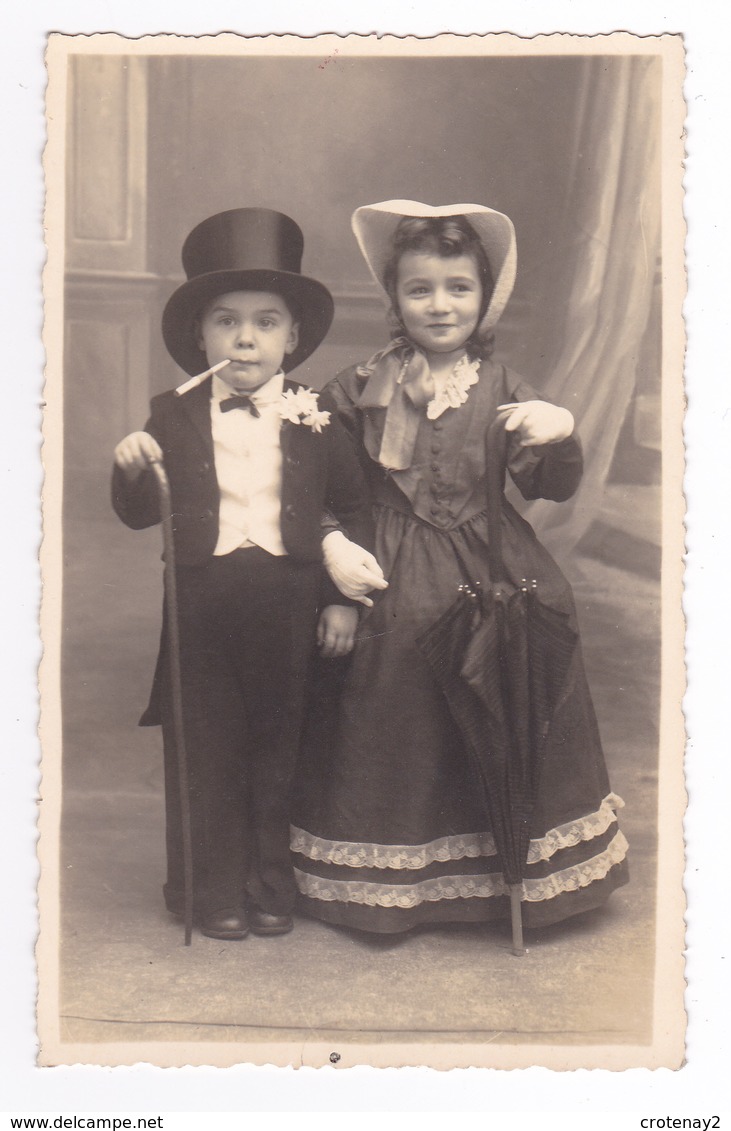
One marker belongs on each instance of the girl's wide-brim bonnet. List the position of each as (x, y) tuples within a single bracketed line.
[(374, 226), (244, 249)]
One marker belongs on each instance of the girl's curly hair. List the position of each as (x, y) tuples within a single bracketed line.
[(447, 236)]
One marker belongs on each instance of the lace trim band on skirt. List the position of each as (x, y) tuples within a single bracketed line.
[(463, 887), (459, 847)]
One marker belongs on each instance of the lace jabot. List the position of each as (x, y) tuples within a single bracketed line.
[(455, 389)]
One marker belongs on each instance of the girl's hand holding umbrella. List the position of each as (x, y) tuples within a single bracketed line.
[(537, 422)]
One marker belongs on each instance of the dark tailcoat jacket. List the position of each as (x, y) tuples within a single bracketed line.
[(321, 474)]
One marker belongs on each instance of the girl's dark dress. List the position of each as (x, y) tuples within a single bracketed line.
[(387, 832)]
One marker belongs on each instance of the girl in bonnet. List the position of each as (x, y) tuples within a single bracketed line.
[(389, 831)]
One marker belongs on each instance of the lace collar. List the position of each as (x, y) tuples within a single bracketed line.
[(455, 390)]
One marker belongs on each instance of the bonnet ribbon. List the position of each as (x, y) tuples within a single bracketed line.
[(398, 379)]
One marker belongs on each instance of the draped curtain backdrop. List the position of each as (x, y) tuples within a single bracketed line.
[(612, 234)]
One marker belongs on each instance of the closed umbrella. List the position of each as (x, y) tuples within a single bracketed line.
[(502, 658)]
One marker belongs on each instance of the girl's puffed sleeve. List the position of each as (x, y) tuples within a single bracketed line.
[(338, 397), (547, 471), (341, 397), (347, 501)]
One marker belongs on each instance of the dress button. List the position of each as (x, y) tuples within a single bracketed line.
[(436, 448), (438, 425), (435, 467), (434, 510), (205, 466), (434, 489), (289, 511)]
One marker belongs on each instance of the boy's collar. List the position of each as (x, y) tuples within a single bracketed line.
[(268, 393)]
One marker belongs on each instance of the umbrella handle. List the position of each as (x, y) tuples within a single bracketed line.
[(516, 920), (171, 602), (496, 447)]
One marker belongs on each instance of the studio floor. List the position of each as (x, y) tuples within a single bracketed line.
[(125, 975)]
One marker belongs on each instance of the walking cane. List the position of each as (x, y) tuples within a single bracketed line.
[(171, 602)]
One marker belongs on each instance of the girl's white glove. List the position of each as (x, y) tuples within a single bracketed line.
[(353, 569), (537, 422)]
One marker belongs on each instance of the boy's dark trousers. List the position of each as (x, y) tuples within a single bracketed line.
[(247, 631)]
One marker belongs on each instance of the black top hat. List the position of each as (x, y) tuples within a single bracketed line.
[(245, 249)]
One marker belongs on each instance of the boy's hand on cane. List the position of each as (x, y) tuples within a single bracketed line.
[(136, 452), (537, 422), (336, 630), (353, 569)]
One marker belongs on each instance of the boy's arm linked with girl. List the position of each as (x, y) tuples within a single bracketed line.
[(352, 568)]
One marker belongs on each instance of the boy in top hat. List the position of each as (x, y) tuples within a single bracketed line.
[(253, 463)]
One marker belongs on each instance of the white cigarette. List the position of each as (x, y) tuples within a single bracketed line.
[(193, 382)]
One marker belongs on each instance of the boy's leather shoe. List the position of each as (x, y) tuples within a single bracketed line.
[(264, 923), (229, 923)]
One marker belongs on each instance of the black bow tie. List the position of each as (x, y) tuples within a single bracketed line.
[(240, 401)]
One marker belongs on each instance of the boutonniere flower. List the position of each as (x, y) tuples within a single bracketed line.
[(301, 408)]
